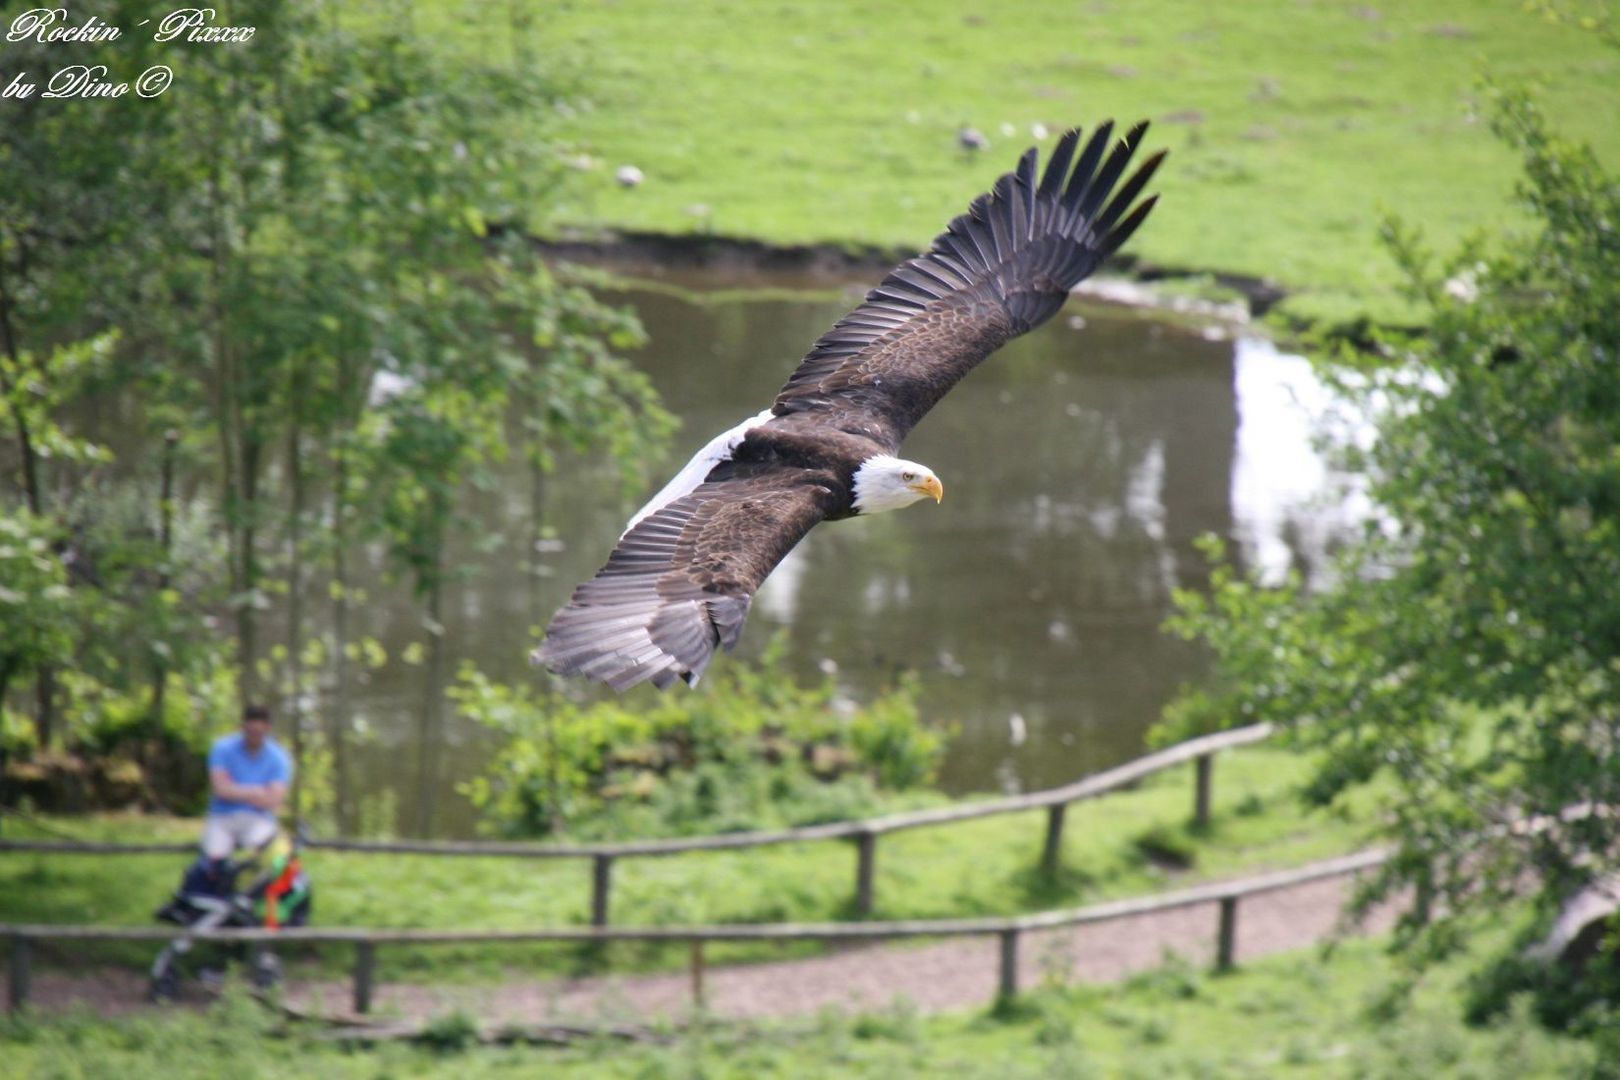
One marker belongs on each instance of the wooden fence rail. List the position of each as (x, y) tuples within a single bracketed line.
[(1009, 929), (865, 833)]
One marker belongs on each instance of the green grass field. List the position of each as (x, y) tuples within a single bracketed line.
[(1121, 845), (1303, 1015), (1294, 125)]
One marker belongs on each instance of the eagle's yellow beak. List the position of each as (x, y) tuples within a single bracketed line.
[(931, 487)]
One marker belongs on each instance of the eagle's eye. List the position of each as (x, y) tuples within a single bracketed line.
[(908, 477)]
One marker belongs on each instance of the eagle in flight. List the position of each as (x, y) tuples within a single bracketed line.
[(679, 582)]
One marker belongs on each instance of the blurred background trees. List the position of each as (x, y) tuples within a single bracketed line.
[(303, 273)]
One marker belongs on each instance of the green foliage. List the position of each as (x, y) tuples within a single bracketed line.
[(750, 749), (34, 389), (88, 602), (1579, 1000), (36, 605), (451, 1032), (104, 719), (1465, 649)]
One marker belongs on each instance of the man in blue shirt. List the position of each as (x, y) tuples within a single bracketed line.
[(248, 773)]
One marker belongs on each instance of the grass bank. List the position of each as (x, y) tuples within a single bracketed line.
[(1125, 844), (1301, 1015), (1293, 124)]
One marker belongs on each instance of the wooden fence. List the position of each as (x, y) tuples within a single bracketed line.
[(1009, 929), (1055, 801)]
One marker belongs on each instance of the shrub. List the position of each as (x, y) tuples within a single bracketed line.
[(752, 748)]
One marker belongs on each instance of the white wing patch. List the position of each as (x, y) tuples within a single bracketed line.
[(703, 462)]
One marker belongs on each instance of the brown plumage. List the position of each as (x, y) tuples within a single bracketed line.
[(680, 581)]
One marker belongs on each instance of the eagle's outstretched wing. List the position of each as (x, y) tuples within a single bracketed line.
[(679, 583), (681, 579), (996, 272)]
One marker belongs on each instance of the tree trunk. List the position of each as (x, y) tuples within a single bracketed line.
[(45, 696), (337, 717), (555, 821), (431, 734), (247, 615), (160, 667), (537, 519), (238, 442), (225, 416), (295, 601), (5, 679)]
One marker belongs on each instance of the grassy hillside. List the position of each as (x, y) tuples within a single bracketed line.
[(1294, 124)]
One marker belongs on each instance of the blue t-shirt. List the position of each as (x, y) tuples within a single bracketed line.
[(267, 766)]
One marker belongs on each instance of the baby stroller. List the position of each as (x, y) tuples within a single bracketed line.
[(209, 898)]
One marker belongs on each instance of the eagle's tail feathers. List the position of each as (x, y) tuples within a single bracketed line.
[(727, 614), (619, 645)]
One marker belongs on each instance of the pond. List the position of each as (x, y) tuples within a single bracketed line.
[(1080, 465)]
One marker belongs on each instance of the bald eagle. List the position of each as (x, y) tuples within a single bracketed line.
[(680, 580)]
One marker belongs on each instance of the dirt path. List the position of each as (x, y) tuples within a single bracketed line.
[(947, 975)]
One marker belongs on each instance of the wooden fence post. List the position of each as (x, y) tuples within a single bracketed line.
[(697, 973), (19, 972), (365, 966), (1205, 764), (601, 887), (1226, 942), (1052, 853), (1008, 988), (865, 866)]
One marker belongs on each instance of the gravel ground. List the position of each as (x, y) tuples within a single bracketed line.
[(944, 975)]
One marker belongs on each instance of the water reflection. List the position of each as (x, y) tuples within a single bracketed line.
[(1290, 505)]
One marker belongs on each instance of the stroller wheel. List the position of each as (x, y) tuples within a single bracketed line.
[(266, 970), (165, 984)]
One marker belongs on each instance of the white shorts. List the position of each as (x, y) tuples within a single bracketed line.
[(224, 833)]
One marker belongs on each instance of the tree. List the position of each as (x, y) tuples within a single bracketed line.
[(342, 189), (36, 605), (1467, 651)]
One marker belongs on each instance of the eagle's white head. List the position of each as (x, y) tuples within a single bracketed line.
[(888, 483)]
